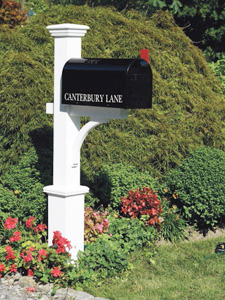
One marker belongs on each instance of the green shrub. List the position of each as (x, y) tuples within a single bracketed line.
[(100, 260), (197, 187), (173, 226), (219, 69), (21, 191), (131, 234), (91, 200), (154, 140), (114, 182)]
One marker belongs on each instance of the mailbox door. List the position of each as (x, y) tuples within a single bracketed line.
[(140, 85)]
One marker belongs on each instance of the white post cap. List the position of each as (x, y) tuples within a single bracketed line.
[(68, 30)]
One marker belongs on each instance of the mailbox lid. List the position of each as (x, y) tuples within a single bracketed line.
[(105, 82)]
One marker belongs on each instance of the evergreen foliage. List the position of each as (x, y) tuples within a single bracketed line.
[(197, 186), (203, 20), (204, 24), (114, 182), (188, 108), (219, 69), (21, 189)]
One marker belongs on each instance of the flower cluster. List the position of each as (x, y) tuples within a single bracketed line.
[(95, 224), (2, 269), (60, 243), (25, 250), (56, 272), (10, 255), (10, 223), (142, 203)]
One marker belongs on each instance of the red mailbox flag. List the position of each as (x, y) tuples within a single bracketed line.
[(144, 54)]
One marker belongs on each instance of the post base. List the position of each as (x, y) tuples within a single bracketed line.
[(66, 214)]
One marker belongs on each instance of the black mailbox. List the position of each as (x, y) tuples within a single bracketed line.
[(121, 83)]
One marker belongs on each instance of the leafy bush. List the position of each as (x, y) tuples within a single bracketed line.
[(100, 260), (154, 140), (10, 14), (21, 190), (39, 5), (173, 226), (143, 202), (131, 234), (197, 187), (219, 69), (95, 224), (114, 182), (90, 199)]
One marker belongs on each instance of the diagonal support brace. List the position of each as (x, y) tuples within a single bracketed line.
[(81, 135)]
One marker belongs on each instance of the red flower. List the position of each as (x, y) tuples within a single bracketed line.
[(10, 223), (13, 268), (40, 227), (2, 268), (60, 242), (42, 254), (16, 236), (56, 272), (30, 272), (10, 253), (28, 257), (30, 290), (142, 202), (29, 222)]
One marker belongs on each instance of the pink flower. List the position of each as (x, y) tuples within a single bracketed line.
[(106, 221), (100, 227), (13, 268), (30, 273), (42, 254), (29, 222), (10, 223), (16, 236), (2, 268), (56, 272)]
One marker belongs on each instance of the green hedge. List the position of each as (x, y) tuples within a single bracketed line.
[(21, 190), (157, 139), (114, 182), (197, 186)]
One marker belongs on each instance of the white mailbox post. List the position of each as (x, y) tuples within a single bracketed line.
[(66, 195)]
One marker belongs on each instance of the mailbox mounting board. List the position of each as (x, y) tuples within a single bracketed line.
[(118, 83)]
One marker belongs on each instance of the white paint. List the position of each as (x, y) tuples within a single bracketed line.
[(49, 108), (66, 195)]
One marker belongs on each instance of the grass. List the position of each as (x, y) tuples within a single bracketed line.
[(184, 271)]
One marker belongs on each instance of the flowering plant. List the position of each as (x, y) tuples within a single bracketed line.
[(95, 224), (140, 203), (24, 249)]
